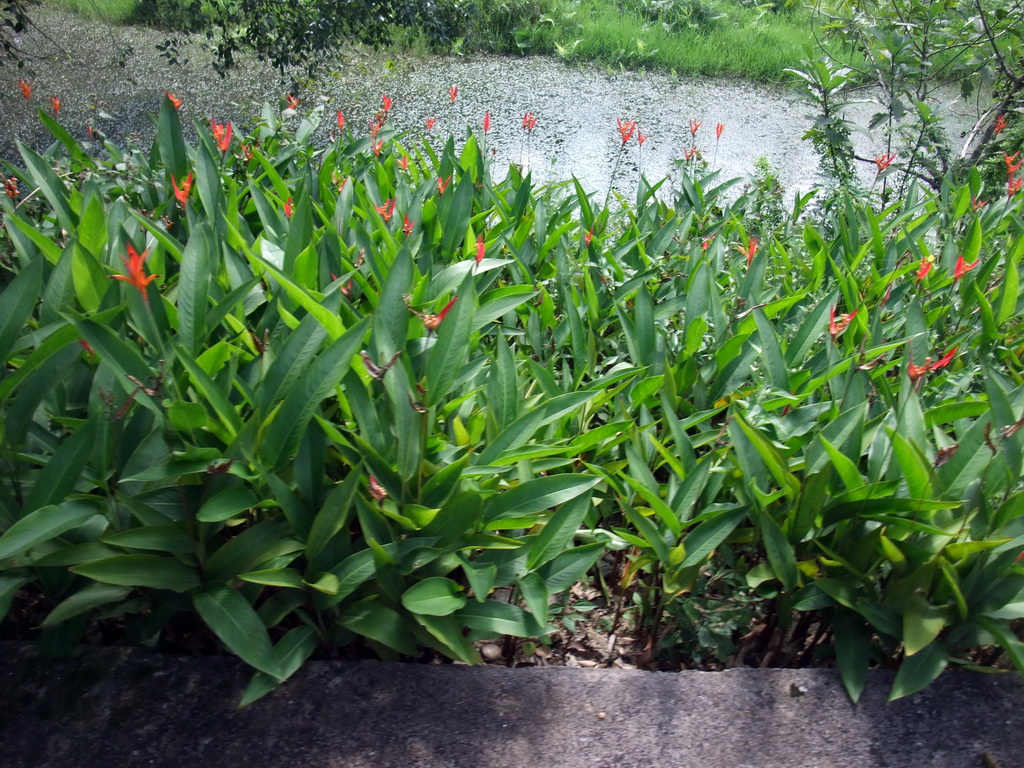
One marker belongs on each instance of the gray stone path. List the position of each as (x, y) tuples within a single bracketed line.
[(120, 708)]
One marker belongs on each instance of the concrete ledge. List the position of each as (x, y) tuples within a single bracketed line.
[(119, 708)]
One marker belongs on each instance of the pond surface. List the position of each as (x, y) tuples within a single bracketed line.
[(576, 108)]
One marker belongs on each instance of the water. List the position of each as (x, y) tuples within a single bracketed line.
[(576, 108)]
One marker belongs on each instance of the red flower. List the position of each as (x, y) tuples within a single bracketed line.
[(883, 161), (480, 248), (175, 101), (386, 100), (292, 101), (977, 204), (55, 103), (962, 268), (453, 93), (625, 129), (377, 146), (222, 135), (186, 186), (288, 208), (694, 126), (406, 225), (690, 153), (917, 371), (487, 121), (836, 328), (387, 210), (588, 236), (706, 243), (442, 184), (378, 493), (641, 137), (1011, 166), (718, 131), (136, 272), (247, 151), (431, 122), (925, 268), (749, 251), (1000, 124), (432, 321), (11, 187), (403, 161), (1013, 187), (529, 122), (341, 120), (26, 89)]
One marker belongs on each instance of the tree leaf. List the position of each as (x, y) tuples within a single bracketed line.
[(153, 571), (234, 621), (436, 596)]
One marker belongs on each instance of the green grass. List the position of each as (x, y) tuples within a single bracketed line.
[(107, 10), (742, 43), (732, 39)]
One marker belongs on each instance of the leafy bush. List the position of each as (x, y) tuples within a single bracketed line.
[(302, 398)]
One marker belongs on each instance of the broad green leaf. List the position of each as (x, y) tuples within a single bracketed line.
[(780, 552), (16, 304), (451, 347), (436, 596), (287, 578), (44, 524), (229, 503), (538, 495), (558, 531), (499, 618), (702, 540), (853, 651), (379, 623), (89, 597), (291, 651), (919, 670), (922, 623), (153, 571), (234, 621)]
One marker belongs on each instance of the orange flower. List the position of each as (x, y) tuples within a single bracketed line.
[(186, 186), (55, 103), (530, 122), (625, 129), (917, 371), (925, 268), (480, 248), (487, 122), (173, 98), (1000, 124), (1013, 187), (403, 161), (453, 93), (292, 101), (442, 184), (431, 122), (835, 328), (690, 153), (694, 126), (26, 89), (221, 134), (387, 210), (588, 236), (641, 137), (386, 101), (977, 204), (406, 225), (962, 268), (432, 321), (718, 131), (288, 208), (378, 493), (749, 251), (136, 271), (377, 146), (341, 120), (884, 161)]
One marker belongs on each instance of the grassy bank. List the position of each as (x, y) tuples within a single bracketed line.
[(697, 37)]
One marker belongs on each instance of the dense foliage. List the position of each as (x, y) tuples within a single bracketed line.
[(371, 395)]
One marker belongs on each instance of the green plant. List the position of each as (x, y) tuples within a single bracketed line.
[(293, 400)]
